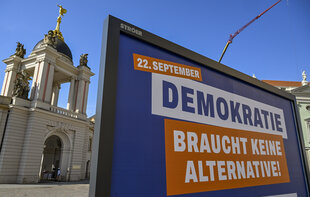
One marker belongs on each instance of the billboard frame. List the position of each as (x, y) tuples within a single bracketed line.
[(102, 152)]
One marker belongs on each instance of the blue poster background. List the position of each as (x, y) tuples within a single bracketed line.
[(139, 137)]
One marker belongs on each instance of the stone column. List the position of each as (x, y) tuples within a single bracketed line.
[(71, 94), (85, 97), (35, 80), (13, 64), (49, 85), (4, 84), (44, 80), (79, 96), (55, 94), (82, 94)]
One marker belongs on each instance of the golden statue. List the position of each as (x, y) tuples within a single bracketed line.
[(62, 10), (57, 32)]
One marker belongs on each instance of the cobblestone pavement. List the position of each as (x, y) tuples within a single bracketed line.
[(73, 189)]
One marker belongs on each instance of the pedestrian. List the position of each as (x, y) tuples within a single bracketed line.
[(54, 173), (58, 174)]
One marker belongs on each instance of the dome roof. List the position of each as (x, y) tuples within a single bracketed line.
[(61, 47)]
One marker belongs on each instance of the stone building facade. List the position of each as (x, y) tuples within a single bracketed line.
[(301, 90), (36, 136)]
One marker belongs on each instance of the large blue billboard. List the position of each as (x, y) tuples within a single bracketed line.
[(171, 125)]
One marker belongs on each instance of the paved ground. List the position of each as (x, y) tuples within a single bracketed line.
[(73, 189)]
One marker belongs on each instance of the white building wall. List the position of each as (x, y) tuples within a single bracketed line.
[(13, 145), (4, 101), (85, 150), (41, 125), (33, 148), (78, 164)]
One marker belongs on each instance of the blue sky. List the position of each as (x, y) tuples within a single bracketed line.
[(275, 47)]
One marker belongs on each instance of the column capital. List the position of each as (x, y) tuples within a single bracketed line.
[(10, 69), (72, 78), (57, 84), (49, 60), (17, 58), (83, 78), (39, 59)]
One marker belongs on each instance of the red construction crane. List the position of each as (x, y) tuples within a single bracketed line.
[(242, 28)]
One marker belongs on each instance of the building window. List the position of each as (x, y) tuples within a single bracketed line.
[(308, 107)]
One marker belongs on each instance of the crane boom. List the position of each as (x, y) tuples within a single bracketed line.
[(242, 28)]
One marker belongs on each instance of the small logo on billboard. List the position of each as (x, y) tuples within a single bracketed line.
[(131, 29)]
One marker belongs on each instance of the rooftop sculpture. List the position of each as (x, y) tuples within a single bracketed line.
[(57, 32), (20, 51), (84, 60), (21, 85)]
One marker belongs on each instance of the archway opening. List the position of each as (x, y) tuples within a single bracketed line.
[(51, 158)]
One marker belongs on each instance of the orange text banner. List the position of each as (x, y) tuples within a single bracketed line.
[(149, 64), (202, 158)]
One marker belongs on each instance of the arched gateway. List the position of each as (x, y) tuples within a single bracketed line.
[(51, 158), (56, 155)]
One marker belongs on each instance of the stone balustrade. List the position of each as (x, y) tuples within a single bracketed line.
[(64, 112)]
